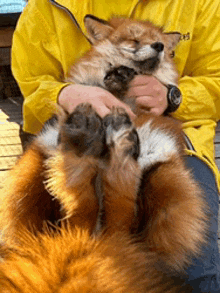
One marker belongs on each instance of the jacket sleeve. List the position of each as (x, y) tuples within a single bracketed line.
[(36, 65), (200, 84)]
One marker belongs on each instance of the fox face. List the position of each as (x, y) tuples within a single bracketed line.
[(145, 45), (138, 45)]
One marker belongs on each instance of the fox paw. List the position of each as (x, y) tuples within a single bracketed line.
[(83, 131), (121, 134), (116, 80)]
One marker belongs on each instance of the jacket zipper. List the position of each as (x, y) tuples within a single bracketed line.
[(53, 2)]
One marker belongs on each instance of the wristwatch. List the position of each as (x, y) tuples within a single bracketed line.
[(174, 98)]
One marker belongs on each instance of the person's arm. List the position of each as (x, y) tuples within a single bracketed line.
[(200, 84), (36, 66)]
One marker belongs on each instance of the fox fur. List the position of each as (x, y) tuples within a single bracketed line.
[(124, 213)]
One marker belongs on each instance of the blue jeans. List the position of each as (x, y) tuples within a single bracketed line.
[(204, 273)]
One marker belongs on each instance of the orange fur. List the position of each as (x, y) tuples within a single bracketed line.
[(73, 261), (25, 201), (70, 180), (154, 213)]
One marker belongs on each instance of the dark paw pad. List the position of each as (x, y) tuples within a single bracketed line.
[(83, 131), (117, 118), (117, 80), (134, 150)]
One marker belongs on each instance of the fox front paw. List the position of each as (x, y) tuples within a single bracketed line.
[(83, 131), (121, 134), (116, 80)]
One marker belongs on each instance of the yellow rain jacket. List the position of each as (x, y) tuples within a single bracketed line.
[(50, 35)]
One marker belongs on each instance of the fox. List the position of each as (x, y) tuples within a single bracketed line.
[(121, 49), (105, 204)]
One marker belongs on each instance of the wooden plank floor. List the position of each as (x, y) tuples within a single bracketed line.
[(10, 144)]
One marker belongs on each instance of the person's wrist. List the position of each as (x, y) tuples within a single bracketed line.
[(65, 96), (174, 99)]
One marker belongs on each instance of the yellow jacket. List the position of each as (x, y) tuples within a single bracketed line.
[(47, 41)]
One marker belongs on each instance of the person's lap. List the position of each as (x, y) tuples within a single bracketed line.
[(204, 274)]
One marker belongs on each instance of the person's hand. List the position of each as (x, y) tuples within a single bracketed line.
[(150, 95), (72, 95)]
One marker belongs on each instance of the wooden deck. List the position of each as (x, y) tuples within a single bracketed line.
[(10, 144)]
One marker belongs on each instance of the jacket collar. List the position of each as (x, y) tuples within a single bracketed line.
[(65, 4), (68, 4)]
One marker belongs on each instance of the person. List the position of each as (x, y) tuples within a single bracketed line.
[(50, 36)]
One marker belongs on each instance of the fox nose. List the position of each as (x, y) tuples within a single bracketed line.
[(158, 46)]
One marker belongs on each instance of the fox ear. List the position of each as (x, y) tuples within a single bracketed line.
[(98, 29), (173, 39)]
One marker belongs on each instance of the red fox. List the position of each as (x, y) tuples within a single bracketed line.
[(126, 214)]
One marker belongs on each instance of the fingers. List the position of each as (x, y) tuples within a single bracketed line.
[(146, 86), (150, 94), (150, 104), (99, 98), (139, 80), (102, 110), (114, 102)]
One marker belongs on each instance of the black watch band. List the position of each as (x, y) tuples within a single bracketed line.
[(174, 98)]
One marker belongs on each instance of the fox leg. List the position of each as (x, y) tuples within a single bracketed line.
[(175, 221), (121, 176), (73, 169)]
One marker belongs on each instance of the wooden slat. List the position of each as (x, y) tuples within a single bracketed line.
[(3, 175), (12, 140), (218, 163), (10, 150), (9, 132), (6, 36), (217, 137), (217, 145), (5, 56), (217, 150), (7, 162), (6, 125)]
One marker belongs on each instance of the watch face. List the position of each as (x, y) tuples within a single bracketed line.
[(175, 96)]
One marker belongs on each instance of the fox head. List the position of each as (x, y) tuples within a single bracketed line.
[(141, 44), (138, 45)]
